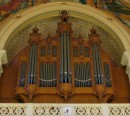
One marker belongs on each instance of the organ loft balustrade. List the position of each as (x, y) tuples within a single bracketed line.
[(65, 69)]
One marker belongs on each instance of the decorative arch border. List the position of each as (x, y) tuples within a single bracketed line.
[(13, 25)]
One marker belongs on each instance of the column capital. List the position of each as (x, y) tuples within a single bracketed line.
[(126, 62), (3, 60)]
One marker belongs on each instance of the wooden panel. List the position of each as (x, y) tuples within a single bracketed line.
[(122, 86), (59, 99), (8, 79)]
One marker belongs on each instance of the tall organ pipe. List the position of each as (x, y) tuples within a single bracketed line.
[(100, 67), (61, 58), (32, 63), (65, 58), (68, 59), (65, 67), (97, 64)]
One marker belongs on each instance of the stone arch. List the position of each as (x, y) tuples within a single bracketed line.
[(14, 24)]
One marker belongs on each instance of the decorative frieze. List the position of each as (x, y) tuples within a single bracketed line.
[(64, 109)]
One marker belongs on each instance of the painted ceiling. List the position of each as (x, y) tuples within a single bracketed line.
[(119, 8)]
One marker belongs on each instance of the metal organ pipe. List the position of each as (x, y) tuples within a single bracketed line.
[(32, 63), (65, 64), (97, 64), (22, 74), (95, 41), (61, 58), (68, 59), (100, 67), (65, 58)]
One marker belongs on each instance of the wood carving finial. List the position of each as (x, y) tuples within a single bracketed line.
[(64, 25), (66, 90), (64, 16), (94, 36), (31, 90), (35, 30), (35, 35)]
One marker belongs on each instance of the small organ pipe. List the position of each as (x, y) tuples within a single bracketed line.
[(97, 63), (29, 73), (46, 74), (48, 77), (41, 76), (65, 64), (65, 59), (94, 62), (32, 64), (87, 74), (82, 74), (107, 75), (80, 71), (100, 65), (51, 74), (55, 68), (89, 82), (32, 67), (61, 58), (84, 79), (35, 63), (68, 59), (22, 74), (75, 73)]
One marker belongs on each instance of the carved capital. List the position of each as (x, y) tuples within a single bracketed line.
[(66, 90), (126, 62), (3, 60), (31, 90), (99, 90)]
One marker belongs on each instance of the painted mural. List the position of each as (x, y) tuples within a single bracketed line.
[(8, 7), (120, 10), (117, 7)]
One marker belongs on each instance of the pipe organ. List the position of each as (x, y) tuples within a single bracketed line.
[(64, 66)]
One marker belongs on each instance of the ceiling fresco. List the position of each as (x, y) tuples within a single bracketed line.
[(120, 8)]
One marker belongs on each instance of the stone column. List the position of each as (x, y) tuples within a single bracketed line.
[(3, 60), (126, 62)]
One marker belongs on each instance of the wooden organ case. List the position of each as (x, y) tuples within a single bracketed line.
[(65, 69)]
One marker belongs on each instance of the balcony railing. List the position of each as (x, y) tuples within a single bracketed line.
[(64, 109)]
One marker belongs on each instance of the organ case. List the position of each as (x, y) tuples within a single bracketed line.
[(65, 66)]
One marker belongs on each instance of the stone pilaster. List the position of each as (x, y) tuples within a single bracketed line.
[(3, 60), (126, 62)]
